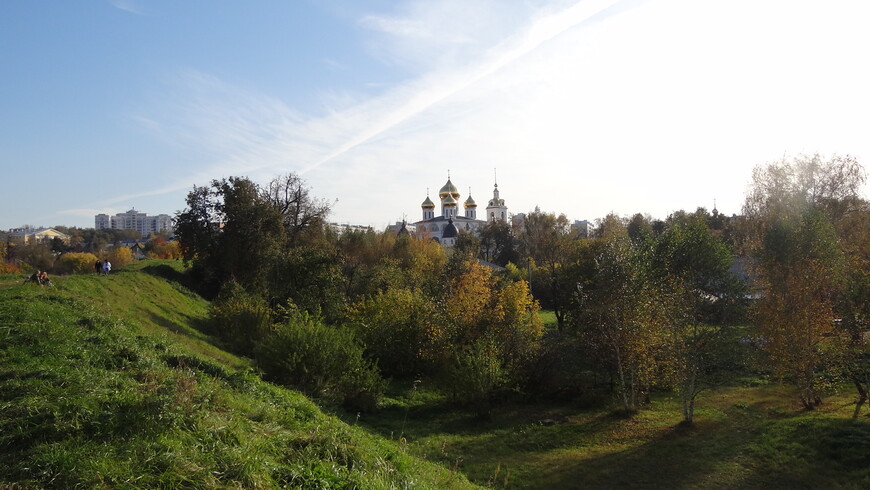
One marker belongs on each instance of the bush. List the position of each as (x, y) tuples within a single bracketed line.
[(159, 248), (75, 263), (37, 257), (120, 256), (320, 360), (475, 373), (394, 325), (9, 268), (239, 317)]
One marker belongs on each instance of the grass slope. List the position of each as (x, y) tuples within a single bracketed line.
[(104, 383)]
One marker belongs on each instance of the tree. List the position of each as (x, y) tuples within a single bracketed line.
[(308, 355), (794, 210), (120, 256), (75, 263), (785, 187), (497, 243), (290, 196), (621, 313), (490, 329), (395, 325), (852, 306), (467, 244), (705, 299), (549, 247), (799, 271), (230, 230)]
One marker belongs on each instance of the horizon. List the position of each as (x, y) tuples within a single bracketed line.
[(584, 108)]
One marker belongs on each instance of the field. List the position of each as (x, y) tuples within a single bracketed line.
[(114, 382), (744, 437)]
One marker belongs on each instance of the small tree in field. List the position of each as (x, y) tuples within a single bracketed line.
[(794, 208), (801, 271), (622, 314)]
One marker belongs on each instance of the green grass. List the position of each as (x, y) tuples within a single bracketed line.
[(756, 437), (549, 318), (106, 382), (110, 382)]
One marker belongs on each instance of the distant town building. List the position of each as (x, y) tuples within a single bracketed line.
[(35, 236), (134, 220), (446, 227), (402, 225), (340, 228), (583, 228)]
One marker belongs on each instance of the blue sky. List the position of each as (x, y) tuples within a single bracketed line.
[(584, 108)]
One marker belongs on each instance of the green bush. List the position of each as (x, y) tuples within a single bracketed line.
[(475, 373), (393, 325), (327, 361), (239, 317)]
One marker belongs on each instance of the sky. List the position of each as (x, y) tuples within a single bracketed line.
[(577, 107)]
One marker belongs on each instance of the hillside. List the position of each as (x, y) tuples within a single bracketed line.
[(106, 382)]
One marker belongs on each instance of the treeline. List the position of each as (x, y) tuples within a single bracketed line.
[(85, 246), (686, 303)]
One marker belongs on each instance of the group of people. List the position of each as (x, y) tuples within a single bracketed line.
[(103, 266), (39, 277)]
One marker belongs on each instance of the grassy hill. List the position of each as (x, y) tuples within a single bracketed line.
[(111, 382), (106, 382)]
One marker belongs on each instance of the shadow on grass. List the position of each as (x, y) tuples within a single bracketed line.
[(167, 272), (193, 327), (678, 458), (751, 451)]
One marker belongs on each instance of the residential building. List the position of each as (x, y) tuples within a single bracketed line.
[(134, 220), (340, 228), (35, 236)]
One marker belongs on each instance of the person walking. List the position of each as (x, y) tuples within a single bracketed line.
[(98, 267), (107, 267)]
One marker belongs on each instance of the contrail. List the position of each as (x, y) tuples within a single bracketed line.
[(541, 31)]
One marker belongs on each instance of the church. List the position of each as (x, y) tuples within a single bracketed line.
[(445, 228)]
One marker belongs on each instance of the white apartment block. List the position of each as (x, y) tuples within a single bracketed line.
[(134, 220)]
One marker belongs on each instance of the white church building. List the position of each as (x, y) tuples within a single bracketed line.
[(445, 227)]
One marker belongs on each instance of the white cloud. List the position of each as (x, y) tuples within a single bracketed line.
[(656, 107), (131, 6)]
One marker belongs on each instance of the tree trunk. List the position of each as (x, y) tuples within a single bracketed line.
[(623, 389), (862, 396), (688, 396)]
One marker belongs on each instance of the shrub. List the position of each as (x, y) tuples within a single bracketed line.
[(34, 257), (239, 317), (306, 354), (475, 373), (394, 325), (120, 256), (9, 268), (75, 263)]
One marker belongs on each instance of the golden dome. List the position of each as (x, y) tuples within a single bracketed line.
[(428, 204), (449, 200), (469, 203), (449, 189)]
